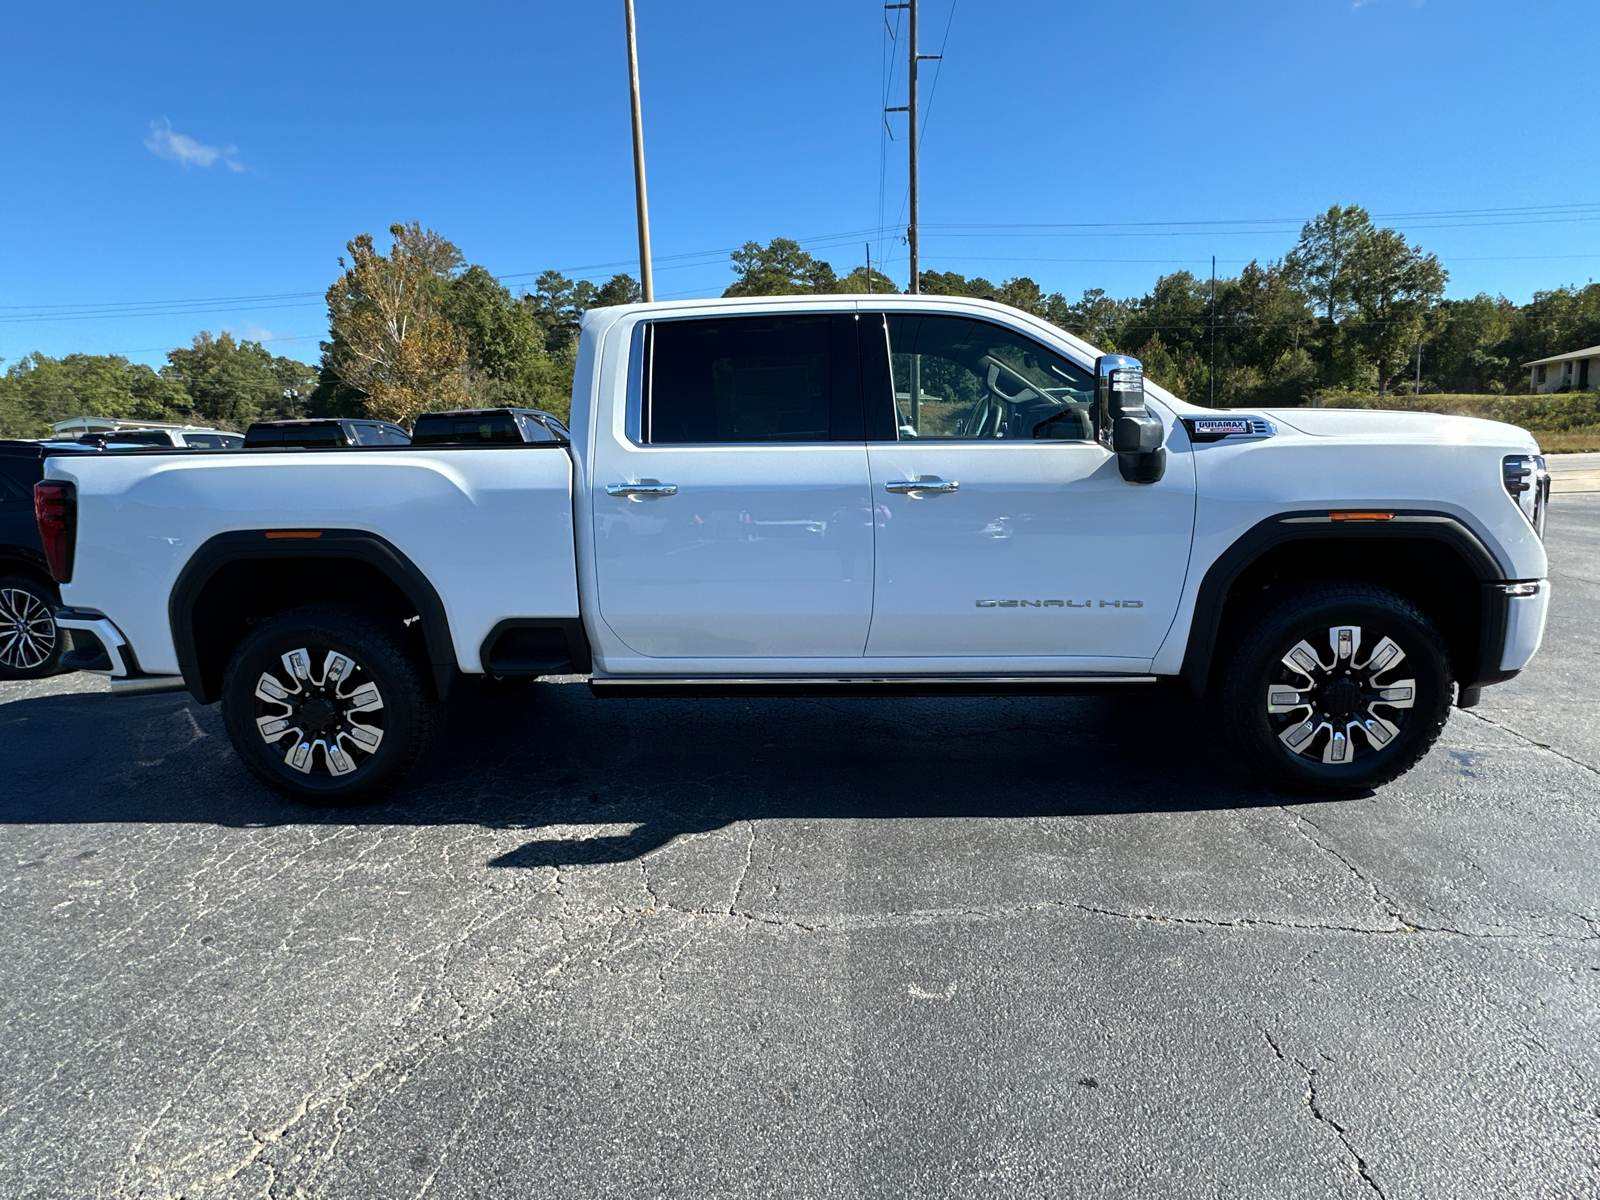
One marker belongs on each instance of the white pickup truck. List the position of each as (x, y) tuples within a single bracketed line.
[(869, 495)]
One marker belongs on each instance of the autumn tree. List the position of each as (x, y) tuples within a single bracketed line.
[(392, 340)]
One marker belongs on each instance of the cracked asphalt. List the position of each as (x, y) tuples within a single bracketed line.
[(955, 948)]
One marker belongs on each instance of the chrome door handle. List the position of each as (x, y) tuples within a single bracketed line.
[(631, 490), (906, 487)]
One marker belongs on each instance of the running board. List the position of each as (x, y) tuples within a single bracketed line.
[(811, 685)]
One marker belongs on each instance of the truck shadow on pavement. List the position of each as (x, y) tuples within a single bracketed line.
[(552, 758)]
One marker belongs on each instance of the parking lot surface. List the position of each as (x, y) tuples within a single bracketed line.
[(953, 948)]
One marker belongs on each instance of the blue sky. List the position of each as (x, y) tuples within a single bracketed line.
[(221, 155)]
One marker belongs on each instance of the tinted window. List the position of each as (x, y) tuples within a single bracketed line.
[(205, 441), (368, 435), (395, 436), (296, 435), (956, 378), (743, 379), (447, 429), (140, 437)]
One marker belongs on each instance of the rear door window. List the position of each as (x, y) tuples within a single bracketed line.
[(752, 379)]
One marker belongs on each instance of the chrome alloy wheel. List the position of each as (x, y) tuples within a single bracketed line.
[(1335, 704), (28, 631), (332, 710)]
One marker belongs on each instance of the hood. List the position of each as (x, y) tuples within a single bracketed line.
[(1402, 426)]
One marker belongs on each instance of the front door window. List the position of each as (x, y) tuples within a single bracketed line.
[(960, 379)]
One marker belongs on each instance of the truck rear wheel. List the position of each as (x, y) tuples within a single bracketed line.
[(1337, 687), (328, 704)]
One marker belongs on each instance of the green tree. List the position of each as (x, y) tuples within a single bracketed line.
[(953, 283), (1097, 319), (1325, 262), (857, 283), (500, 333), (232, 383), (780, 268), (1394, 285), (37, 391), (1462, 344)]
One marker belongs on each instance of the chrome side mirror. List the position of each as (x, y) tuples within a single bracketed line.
[(1126, 425)]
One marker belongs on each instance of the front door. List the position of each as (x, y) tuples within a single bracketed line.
[(1023, 540), (736, 522)]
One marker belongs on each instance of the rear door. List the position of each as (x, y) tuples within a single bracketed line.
[(735, 519), (1023, 540)]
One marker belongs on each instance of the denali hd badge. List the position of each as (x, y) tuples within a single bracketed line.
[(1060, 604)]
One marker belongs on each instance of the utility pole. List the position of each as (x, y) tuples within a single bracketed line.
[(1213, 401), (647, 288), (869, 268), (910, 109)]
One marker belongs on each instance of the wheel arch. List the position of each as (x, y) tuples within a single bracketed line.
[(243, 576), (20, 560), (1430, 558)]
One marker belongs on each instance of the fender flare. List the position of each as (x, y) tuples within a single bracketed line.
[(1274, 531), (251, 545)]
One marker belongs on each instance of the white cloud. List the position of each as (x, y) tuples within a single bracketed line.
[(249, 331), (187, 152)]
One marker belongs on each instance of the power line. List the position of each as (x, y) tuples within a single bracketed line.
[(1532, 214)]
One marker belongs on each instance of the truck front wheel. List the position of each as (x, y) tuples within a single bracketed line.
[(1337, 687), (328, 704)]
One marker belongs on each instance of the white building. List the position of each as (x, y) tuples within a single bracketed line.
[(79, 425), (1578, 371)]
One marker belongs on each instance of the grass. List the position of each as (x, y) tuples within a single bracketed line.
[(1566, 423)]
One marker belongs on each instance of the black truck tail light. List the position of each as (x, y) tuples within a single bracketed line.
[(55, 508)]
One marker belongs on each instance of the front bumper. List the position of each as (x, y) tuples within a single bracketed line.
[(1525, 617)]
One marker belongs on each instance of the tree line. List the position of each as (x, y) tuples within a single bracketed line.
[(1352, 310)]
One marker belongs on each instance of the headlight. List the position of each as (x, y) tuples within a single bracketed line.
[(1529, 485)]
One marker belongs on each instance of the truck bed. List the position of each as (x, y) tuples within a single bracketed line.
[(490, 527)]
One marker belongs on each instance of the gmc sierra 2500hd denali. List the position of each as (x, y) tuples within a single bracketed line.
[(902, 495)]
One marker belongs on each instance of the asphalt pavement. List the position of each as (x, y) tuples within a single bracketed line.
[(954, 948)]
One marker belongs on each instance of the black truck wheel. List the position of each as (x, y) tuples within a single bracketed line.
[(1337, 687), (328, 704), (30, 642)]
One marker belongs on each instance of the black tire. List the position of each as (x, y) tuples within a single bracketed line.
[(1385, 731), (327, 714), (30, 641)]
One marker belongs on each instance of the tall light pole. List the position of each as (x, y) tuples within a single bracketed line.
[(647, 288)]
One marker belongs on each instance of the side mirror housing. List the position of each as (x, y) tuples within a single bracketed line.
[(1127, 427)]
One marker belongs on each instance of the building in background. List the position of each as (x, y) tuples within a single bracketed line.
[(1578, 371)]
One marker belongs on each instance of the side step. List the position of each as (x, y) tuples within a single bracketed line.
[(811, 685)]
